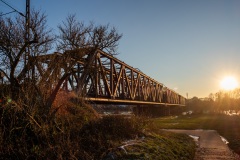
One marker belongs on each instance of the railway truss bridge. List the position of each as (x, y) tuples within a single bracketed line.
[(102, 78)]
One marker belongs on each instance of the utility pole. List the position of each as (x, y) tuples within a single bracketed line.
[(28, 41), (27, 16), (27, 36)]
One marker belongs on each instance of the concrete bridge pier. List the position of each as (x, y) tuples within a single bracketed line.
[(157, 110)]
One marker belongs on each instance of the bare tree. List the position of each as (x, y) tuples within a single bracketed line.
[(40, 77), (75, 35), (105, 38), (14, 58)]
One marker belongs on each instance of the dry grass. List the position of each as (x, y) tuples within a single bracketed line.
[(75, 131)]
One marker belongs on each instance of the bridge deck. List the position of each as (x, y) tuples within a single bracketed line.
[(127, 102)]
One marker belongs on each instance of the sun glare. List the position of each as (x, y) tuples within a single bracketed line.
[(229, 83)]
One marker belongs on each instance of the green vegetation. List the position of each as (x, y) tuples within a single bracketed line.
[(162, 146), (227, 126)]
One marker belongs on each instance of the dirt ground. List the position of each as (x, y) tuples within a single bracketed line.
[(210, 145)]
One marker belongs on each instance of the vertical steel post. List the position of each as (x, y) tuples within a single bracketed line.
[(112, 79), (132, 83), (27, 19), (27, 29), (96, 78)]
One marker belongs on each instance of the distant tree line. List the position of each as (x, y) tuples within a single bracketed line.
[(217, 103)]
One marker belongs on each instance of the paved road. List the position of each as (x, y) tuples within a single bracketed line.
[(210, 145)]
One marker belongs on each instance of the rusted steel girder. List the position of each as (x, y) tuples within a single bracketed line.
[(102, 78)]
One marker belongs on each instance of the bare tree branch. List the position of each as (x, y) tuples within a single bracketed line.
[(75, 34), (13, 45)]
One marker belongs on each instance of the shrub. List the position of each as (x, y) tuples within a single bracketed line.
[(109, 132)]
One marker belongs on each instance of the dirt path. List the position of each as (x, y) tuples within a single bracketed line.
[(210, 145)]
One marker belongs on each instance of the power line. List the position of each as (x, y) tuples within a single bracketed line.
[(6, 13), (14, 10)]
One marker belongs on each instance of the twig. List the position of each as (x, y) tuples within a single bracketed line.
[(27, 114)]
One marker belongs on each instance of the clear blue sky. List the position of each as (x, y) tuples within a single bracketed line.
[(186, 45)]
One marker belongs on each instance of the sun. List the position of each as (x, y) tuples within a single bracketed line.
[(229, 83)]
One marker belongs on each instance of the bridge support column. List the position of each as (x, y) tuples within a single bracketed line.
[(140, 110), (156, 111), (150, 110)]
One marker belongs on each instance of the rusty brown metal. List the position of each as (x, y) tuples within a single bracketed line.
[(102, 78)]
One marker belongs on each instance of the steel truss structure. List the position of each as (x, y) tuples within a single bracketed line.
[(102, 78)]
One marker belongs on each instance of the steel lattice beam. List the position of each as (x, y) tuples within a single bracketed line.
[(102, 78)]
